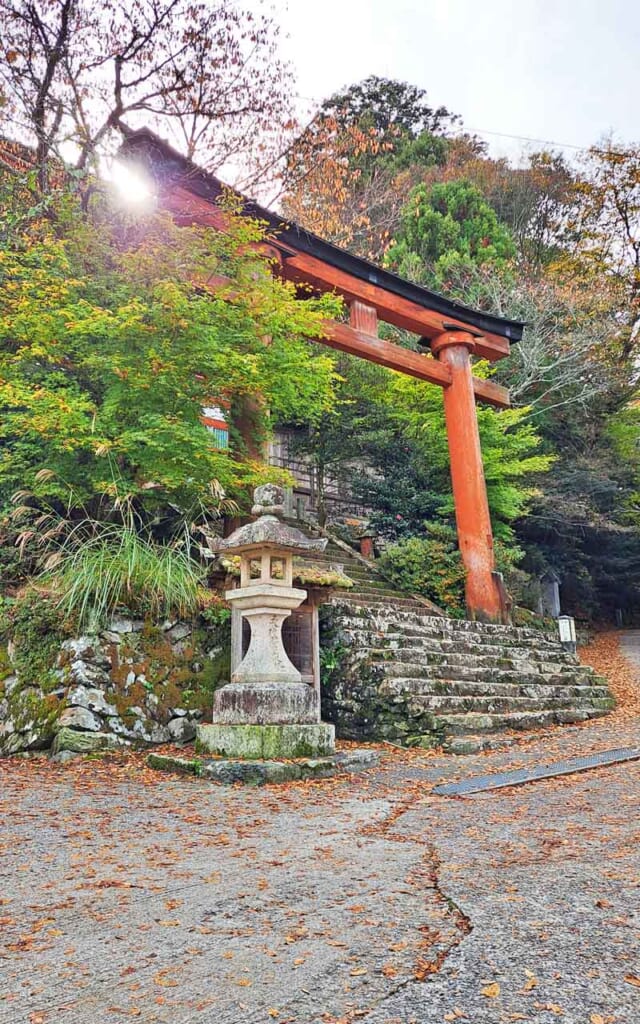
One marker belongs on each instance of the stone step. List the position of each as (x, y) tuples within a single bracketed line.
[(458, 725), (425, 623), (402, 647), (372, 589), (358, 572), (451, 704), (472, 645), (387, 618), (464, 688), (431, 679), (469, 743), (331, 555), (486, 674), (349, 565), (369, 600), (454, 652), (363, 582), (352, 569), (376, 642), (523, 662), (418, 623), (502, 635)]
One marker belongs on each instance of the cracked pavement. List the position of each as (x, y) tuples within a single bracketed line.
[(129, 895)]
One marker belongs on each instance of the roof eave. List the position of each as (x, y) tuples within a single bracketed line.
[(158, 154)]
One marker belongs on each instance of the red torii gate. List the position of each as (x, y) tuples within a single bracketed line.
[(452, 331)]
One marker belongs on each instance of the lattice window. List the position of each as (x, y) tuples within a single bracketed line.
[(297, 638)]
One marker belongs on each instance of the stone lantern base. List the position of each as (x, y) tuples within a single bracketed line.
[(261, 742), (266, 704)]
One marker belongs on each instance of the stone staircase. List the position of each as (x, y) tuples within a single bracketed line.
[(394, 672), (394, 668), (370, 588)]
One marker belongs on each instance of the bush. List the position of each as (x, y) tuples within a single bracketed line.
[(429, 565), (119, 567)]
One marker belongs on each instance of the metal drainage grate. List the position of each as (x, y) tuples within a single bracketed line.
[(501, 780)]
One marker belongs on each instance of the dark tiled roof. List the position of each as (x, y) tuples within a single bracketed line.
[(167, 165)]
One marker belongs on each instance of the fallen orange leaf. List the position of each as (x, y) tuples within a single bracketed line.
[(161, 979), (491, 991)]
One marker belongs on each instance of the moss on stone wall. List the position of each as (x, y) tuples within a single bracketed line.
[(35, 627), (143, 681), (352, 698)]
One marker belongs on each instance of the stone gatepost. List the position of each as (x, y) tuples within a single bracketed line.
[(549, 603), (267, 710)]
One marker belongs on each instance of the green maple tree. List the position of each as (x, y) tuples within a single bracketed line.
[(111, 343)]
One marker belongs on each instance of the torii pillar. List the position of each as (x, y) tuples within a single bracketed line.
[(483, 590)]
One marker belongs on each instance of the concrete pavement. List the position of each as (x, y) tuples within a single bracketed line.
[(126, 895)]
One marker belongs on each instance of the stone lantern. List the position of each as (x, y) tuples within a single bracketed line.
[(267, 710)]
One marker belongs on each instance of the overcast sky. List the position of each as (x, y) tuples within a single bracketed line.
[(561, 70)]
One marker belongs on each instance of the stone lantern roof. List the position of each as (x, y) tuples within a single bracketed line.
[(267, 531)]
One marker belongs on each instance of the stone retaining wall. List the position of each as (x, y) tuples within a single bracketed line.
[(132, 684)]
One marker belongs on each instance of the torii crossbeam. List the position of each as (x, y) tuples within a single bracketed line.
[(452, 332)]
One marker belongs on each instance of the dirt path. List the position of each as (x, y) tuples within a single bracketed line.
[(630, 646)]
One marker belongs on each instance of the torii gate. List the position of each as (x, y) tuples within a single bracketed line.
[(453, 333)]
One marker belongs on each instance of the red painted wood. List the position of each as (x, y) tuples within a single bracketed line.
[(491, 393), (414, 364), (366, 548), (392, 308), (367, 346), (188, 208), (363, 318), (475, 539), (385, 353), (451, 370)]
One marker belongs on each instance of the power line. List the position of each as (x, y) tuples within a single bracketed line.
[(528, 138), (500, 135), (487, 131)]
